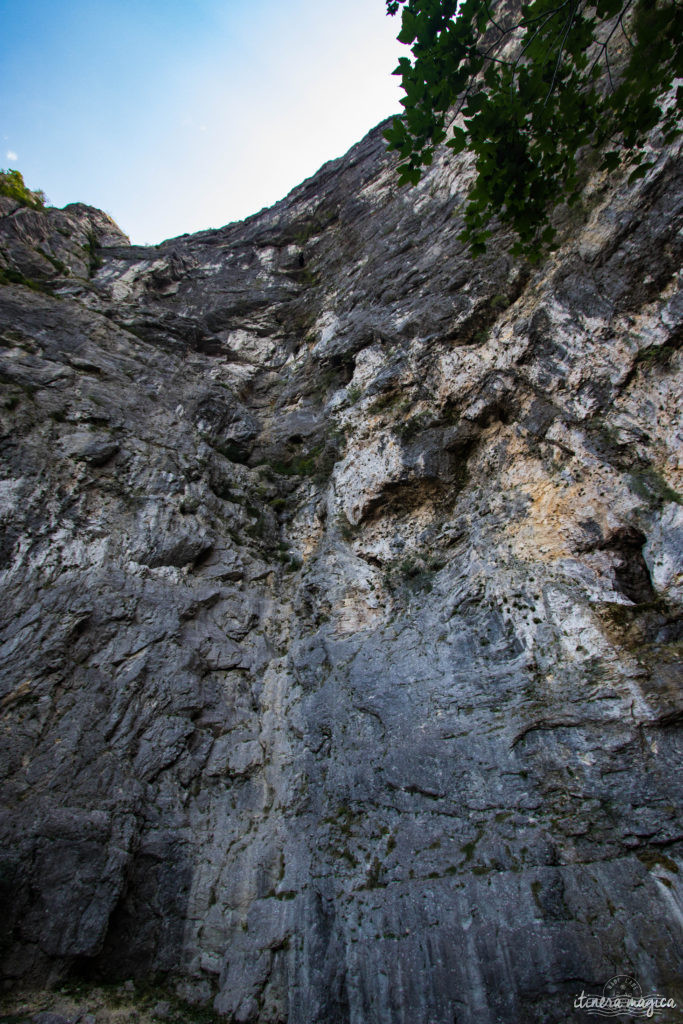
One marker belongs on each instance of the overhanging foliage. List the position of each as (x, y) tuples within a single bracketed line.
[(526, 89)]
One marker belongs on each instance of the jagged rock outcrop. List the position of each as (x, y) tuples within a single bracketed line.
[(341, 592)]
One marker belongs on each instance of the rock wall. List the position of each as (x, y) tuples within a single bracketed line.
[(340, 602)]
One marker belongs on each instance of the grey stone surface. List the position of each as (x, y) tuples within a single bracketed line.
[(340, 590)]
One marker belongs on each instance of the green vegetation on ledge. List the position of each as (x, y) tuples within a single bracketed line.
[(12, 185)]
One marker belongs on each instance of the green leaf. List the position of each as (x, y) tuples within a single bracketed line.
[(408, 25), (459, 140), (639, 172), (610, 161)]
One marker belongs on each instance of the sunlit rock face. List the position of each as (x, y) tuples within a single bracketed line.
[(341, 578)]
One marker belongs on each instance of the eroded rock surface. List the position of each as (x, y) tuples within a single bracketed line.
[(341, 588)]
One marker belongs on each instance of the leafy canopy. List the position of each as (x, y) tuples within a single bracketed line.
[(525, 89), (12, 185)]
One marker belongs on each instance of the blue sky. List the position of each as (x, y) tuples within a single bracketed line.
[(184, 114)]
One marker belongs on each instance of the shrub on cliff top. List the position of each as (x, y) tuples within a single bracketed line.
[(12, 185)]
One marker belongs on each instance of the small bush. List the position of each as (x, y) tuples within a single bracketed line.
[(12, 185)]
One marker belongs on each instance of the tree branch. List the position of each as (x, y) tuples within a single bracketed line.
[(570, 19)]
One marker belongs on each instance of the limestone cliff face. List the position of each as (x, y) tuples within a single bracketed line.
[(340, 587)]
